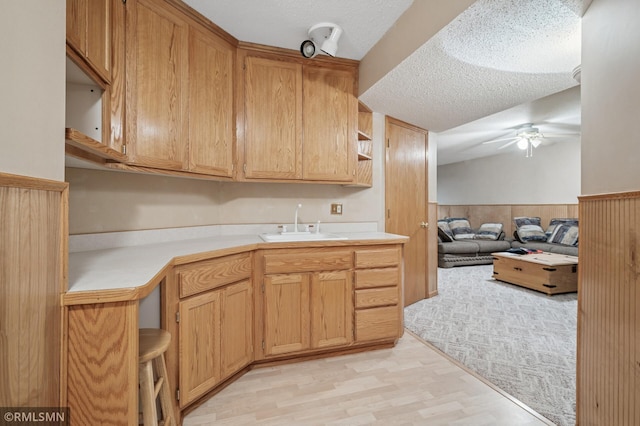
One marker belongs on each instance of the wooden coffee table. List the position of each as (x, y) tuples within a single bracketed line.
[(549, 273)]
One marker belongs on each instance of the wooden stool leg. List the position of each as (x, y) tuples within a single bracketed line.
[(165, 394), (147, 394)]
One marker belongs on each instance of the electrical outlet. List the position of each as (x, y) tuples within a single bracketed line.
[(336, 208)]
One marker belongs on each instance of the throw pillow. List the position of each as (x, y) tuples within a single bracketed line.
[(461, 228), (524, 220), (565, 234), (553, 223), (489, 231), (444, 232), (526, 233)]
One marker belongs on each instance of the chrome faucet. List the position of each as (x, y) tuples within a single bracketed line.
[(295, 220)]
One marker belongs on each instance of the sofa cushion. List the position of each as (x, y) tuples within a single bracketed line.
[(553, 223), (444, 232), (489, 231), (461, 228), (490, 246), (469, 247), (564, 234)]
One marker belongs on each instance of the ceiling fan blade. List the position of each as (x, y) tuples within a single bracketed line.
[(509, 144), (559, 135), (499, 140)]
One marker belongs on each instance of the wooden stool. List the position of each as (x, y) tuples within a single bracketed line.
[(153, 343)]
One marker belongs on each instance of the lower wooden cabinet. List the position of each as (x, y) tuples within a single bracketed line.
[(213, 300), (215, 338), (307, 311), (378, 292), (277, 304)]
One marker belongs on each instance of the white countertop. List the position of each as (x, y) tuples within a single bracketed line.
[(135, 266)]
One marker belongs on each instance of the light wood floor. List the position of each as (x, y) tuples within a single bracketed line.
[(411, 383)]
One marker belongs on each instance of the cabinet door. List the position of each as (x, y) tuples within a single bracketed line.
[(199, 345), (77, 24), (99, 36), (331, 309), (286, 316), (89, 33), (273, 119), (211, 113), (237, 336), (157, 78), (330, 131)]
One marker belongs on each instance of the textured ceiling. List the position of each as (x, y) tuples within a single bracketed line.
[(494, 56)]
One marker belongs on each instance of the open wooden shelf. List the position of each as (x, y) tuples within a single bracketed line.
[(78, 143)]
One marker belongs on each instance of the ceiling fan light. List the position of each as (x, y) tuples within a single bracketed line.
[(535, 142), (523, 144)]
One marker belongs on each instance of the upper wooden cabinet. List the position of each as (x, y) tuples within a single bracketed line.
[(89, 33), (298, 121), (329, 124), (211, 111), (180, 112), (272, 119), (157, 78)]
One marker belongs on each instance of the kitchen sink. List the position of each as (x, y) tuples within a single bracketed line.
[(300, 236)]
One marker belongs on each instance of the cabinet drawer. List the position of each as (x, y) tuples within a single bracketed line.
[(208, 274), (377, 323), (372, 297), (306, 262), (377, 258), (377, 278)]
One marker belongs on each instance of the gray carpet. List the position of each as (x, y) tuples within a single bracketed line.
[(520, 340)]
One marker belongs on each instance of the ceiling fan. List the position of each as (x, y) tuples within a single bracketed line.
[(527, 138)]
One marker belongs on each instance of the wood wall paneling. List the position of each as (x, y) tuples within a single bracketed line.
[(608, 370), (33, 227), (504, 213)]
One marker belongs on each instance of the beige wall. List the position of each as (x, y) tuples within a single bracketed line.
[(611, 97), (551, 176), (32, 79), (104, 201)]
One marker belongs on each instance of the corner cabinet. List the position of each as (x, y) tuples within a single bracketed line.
[(214, 330), (298, 118)]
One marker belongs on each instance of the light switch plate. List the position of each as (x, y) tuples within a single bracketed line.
[(336, 208)]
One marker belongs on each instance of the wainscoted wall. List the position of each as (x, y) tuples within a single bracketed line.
[(608, 373), (33, 274), (504, 213)]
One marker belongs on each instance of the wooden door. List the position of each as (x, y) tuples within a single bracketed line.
[(199, 345), (330, 125), (331, 309), (157, 78), (406, 201), (286, 316), (236, 328), (77, 24), (211, 113), (272, 119)]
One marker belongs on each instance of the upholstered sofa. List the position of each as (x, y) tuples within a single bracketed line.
[(461, 245)]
